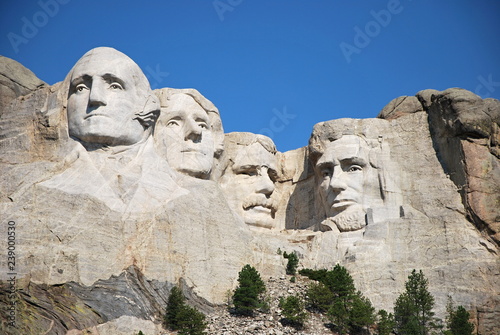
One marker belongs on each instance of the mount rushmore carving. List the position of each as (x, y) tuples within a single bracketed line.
[(117, 190)]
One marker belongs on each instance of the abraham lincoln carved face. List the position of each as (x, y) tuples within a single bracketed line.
[(345, 181)]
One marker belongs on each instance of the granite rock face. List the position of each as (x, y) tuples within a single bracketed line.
[(108, 219), (15, 81)]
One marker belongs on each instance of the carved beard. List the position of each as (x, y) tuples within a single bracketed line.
[(347, 220)]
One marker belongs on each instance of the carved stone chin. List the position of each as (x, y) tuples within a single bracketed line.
[(351, 219)]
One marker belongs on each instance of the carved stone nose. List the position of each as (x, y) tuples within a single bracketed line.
[(97, 94), (192, 131)]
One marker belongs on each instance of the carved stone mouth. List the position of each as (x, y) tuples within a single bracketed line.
[(260, 206), (94, 114), (265, 207)]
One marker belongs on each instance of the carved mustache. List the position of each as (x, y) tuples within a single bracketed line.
[(258, 200)]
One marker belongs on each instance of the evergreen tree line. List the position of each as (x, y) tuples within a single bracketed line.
[(334, 295)]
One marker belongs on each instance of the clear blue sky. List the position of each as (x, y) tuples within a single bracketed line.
[(261, 60)]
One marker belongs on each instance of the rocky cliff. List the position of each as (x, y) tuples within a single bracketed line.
[(103, 230)]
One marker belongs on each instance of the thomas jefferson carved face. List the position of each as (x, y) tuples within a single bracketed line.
[(187, 136), (104, 98), (345, 178), (249, 184)]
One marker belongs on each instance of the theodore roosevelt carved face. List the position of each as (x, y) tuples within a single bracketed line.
[(345, 181), (107, 97), (248, 180)]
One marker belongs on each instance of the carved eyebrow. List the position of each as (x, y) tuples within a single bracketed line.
[(354, 160), (111, 78), (202, 118), (325, 165), (80, 79)]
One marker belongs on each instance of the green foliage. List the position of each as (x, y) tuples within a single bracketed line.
[(179, 316), (317, 275), (174, 305), (459, 322), (246, 296), (413, 308), (293, 311), (191, 321), (293, 279), (361, 313), (336, 295), (140, 332), (293, 262), (319, 297), (385, 323)]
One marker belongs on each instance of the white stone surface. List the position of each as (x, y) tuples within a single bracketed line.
[(90, 205)]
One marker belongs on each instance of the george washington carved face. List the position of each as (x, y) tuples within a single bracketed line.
[(107, 94)]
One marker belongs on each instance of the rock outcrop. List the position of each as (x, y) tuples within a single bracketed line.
[(105, 227)]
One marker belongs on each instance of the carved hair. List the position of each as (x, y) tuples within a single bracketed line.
[(324, 133), (241, 139)]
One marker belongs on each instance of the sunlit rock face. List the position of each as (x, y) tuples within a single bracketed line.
[(118, 193), (249, 172), (189, 132)]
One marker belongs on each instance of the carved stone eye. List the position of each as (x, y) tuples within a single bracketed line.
[(172, 123), (80, 87), (354, 168)]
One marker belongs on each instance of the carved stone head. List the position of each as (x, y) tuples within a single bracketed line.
[(189, 133), (109, 100), (347, 178), (248, 177)]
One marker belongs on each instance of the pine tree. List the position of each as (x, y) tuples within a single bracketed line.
[(319, 297), (247, 294), (174, 305), (179, 316), (191, 321), (385, 324), (459, 322), (336, 293), (293, 262), (413, 308), (294, 311)]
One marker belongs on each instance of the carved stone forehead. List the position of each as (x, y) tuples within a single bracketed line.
[(254, 155), (346, 147), (185, 103), (103, 61)]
